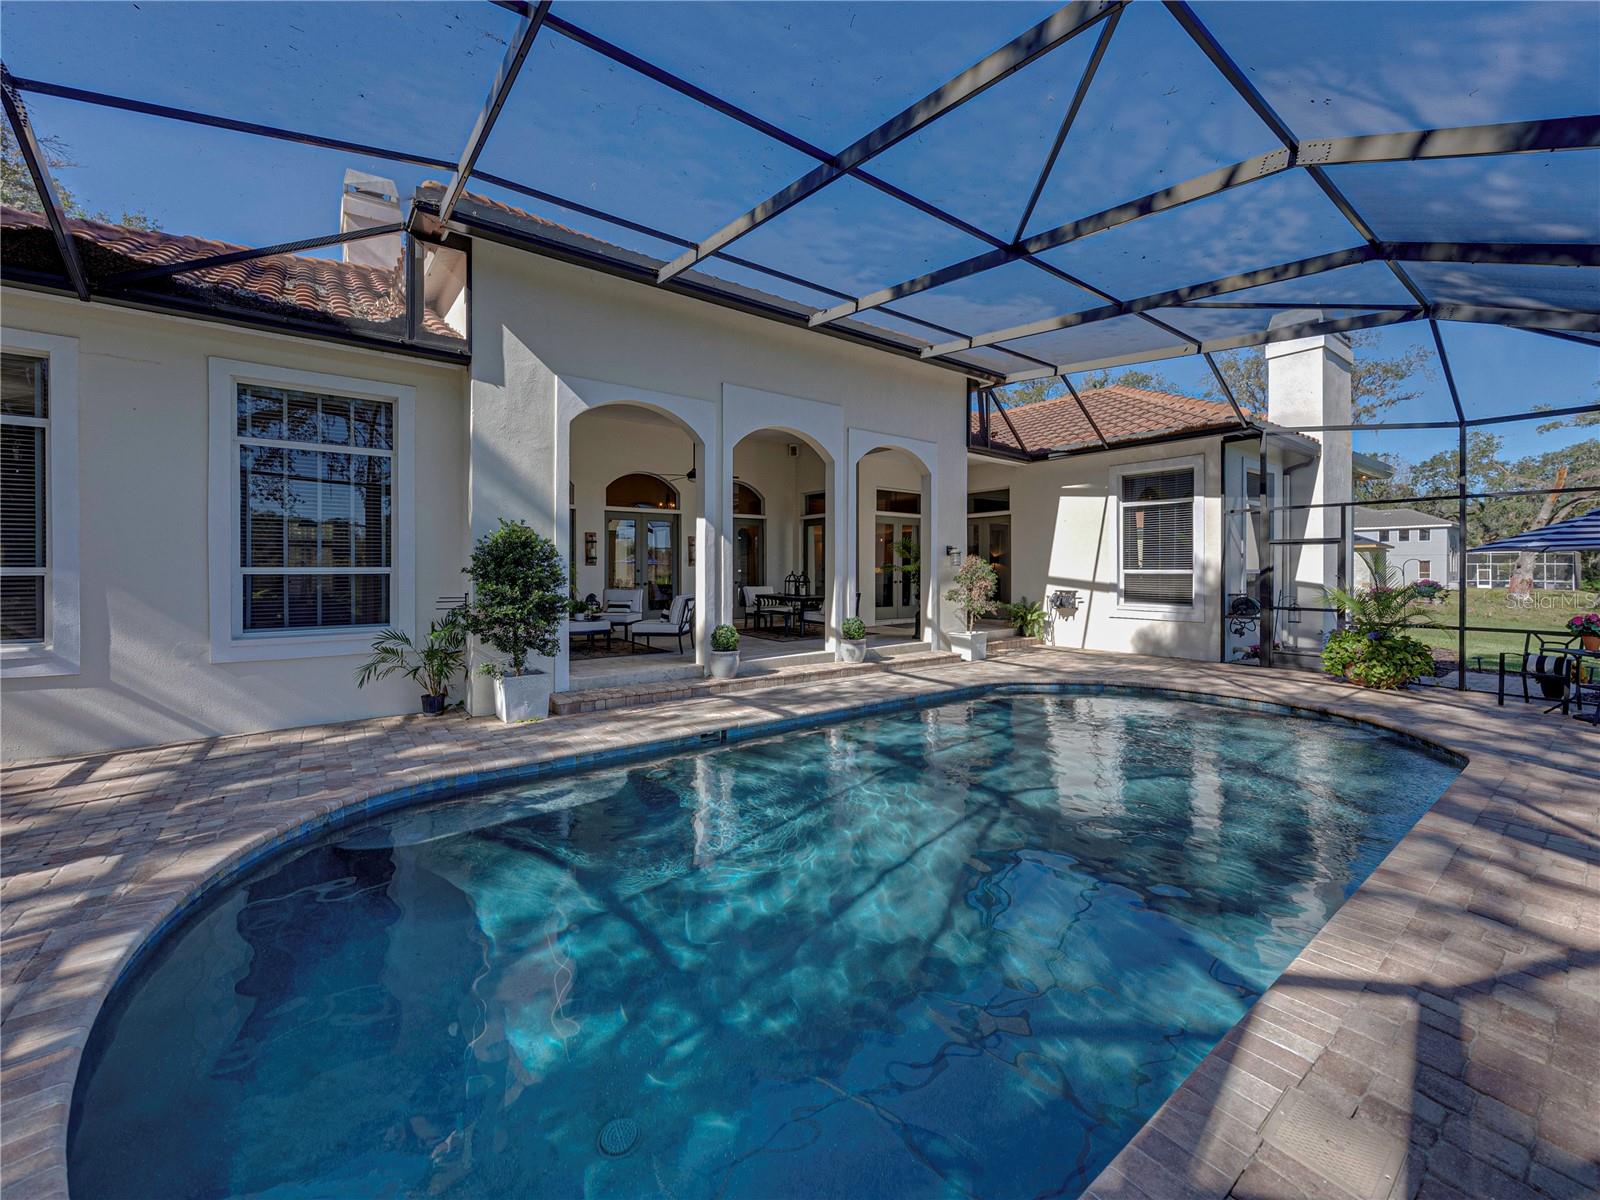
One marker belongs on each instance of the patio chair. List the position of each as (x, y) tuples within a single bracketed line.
[(624, 600), (678, 622), (753, 616), (1545, 659), (814, 616)]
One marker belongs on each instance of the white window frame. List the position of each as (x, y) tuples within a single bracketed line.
[(59, 653), (1194, 611), (229, 641)]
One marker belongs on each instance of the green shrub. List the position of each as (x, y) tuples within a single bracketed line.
[(853, 629), (1029, 618), (521, 582), (724, 638), (1376, 660)]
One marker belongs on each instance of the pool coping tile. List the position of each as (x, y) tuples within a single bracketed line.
[(1451, 1005)]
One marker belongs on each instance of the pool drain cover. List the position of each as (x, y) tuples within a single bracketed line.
[(618, 1136)]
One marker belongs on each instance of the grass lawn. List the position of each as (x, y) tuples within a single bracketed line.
[(1547, 613)]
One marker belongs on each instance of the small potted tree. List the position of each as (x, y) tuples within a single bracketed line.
[(520, 597), (433, 666), (723, 659), (972, 591), (852, 641)]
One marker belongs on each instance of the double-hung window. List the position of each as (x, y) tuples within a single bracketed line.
[(38, 504), (24, 501), (314, 504), (1158, 538)]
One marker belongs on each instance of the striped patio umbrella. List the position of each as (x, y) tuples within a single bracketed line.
[(1579, 533)]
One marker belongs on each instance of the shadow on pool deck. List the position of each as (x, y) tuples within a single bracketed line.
[(1450, 1007)]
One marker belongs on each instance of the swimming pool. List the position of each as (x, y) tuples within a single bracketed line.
[(960, 950)]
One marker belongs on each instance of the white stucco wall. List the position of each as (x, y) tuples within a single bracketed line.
[(146, 674), (550, 341), (1064, 537), (545, 330)]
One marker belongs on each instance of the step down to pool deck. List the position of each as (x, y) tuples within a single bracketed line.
[(633, 695)]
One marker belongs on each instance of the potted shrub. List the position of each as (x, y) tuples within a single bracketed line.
[(1373, 651), (1029, 618), (972, 591), (852, 640), (723, 660), (520, 597), (432, 666), (1587, 627)]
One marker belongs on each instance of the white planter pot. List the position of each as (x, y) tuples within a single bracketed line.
[(973, 646), (523, 697), (852, 651), (722, 664)]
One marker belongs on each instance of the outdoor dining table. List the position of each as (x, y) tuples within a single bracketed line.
[(790, 606)]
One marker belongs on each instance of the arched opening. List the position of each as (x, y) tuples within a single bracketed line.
[(895, 559), (634, 494), (778, 535)]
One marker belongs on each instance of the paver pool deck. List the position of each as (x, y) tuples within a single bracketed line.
[(1440, 1036)]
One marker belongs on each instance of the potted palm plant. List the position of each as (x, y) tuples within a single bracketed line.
[(1029, 618), (1372, 650), (433, 666), (852, 640), (520, 597), (972, 591), (909, 552), (723, 659)]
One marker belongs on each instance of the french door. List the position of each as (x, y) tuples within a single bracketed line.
[(642, 552), (895, 593)]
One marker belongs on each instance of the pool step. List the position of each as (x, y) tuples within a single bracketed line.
[(634, 695), (1010, 643)]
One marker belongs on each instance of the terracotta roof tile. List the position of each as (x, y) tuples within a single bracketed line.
[(324, 289), (1123, 414)]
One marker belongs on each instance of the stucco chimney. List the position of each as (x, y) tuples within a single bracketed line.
[(1308, 384), (368, 201)]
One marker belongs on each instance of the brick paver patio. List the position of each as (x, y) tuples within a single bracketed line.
[(1439, 1037)]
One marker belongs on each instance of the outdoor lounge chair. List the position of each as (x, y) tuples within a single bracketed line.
[(1546, 659), (752, 607), (678, 623)]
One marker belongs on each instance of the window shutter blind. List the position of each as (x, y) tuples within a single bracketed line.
[(1157, 538), (24, 542)]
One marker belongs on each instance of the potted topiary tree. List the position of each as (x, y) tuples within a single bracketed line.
[(723, 660), (519, 581), (432, 666), (852, 641), (972, 591)]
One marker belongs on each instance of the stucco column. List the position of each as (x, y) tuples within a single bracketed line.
[(841, 547), (512, 465)]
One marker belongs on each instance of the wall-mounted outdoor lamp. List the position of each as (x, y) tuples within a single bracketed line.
[(1064, 602), (590, 549), (951, 552)]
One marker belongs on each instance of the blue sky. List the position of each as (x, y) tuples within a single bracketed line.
[(413, 76)]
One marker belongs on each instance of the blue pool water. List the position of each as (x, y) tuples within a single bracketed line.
[(956, 951)]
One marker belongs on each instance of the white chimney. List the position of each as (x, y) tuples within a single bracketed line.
[(1308, 384), (369, 201)]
